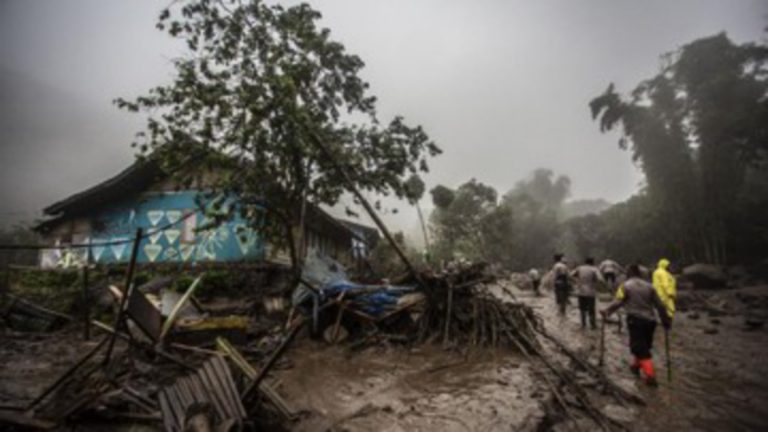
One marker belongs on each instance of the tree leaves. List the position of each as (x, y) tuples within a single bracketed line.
[(258, 83), (698, 129)]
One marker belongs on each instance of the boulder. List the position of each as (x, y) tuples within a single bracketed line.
[(706, 276)]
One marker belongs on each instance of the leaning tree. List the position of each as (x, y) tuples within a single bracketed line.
[(264, 95)]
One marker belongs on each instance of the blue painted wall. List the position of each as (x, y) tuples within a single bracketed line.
[(182, 242)]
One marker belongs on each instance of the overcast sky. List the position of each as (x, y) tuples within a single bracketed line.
[(502, 86)]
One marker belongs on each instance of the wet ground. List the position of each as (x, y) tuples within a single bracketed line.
[(30, 362), (426, 389), (719, 380)]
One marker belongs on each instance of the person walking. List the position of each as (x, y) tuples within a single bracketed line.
[(587, 278), (610, 270), (562, 283), (535, 277), (641, 303), (666, 286)]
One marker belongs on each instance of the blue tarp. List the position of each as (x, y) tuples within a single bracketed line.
[(331, 279)]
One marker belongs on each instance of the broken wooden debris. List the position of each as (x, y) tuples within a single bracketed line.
[(254, 385), (210, 388), (24, 315), (128, 289), (142, 312), (265, 389), (177, 308)]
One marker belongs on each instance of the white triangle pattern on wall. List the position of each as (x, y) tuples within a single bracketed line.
[(172, 235), (154, 237), (119, 249), (173, 216), (152, 251), (186, 251), (155, 216)]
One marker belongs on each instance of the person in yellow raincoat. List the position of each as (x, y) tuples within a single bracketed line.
[(666, 286)]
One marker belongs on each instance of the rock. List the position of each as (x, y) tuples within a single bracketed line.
[(693, 316), (715, 321), (710, 330), (706, 276)]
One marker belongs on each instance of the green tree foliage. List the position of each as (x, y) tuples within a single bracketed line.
[(259, 88), (519, 230), (698, 129), (458, 219)]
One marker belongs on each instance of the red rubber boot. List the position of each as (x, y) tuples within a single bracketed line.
[(646, 365)]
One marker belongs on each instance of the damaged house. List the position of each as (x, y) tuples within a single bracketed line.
[(106, 217)]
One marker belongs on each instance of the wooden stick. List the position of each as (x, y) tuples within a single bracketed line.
[(67, 374), (254, 385), (86, 298), (669, 359), (128, 289), (602, 341)]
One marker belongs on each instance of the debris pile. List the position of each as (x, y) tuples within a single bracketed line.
[(177, 368), (460, 310), (170, 360)]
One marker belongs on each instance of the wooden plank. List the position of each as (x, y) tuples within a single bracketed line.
[(226, 376), (218, 392), (210, 391), (169, 419)]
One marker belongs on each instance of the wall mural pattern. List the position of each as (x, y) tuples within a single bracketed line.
[(185, 241)]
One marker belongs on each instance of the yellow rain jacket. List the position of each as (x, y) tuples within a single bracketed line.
[(665, 286)]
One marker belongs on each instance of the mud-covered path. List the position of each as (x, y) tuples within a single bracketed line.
[(719, 380), (422, 389)]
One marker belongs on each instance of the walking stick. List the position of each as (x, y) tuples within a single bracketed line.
[(602, 340), (669, 360)]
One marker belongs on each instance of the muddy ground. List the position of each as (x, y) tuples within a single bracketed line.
[(719, 380)]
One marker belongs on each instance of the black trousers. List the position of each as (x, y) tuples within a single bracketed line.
[(640, 336), (587, 309), (561, 297)]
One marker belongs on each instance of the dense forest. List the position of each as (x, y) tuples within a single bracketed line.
[(699, 132)]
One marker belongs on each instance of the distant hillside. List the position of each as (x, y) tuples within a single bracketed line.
[(584, 207)]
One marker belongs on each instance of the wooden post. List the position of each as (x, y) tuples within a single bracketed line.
[(86, 298), (448, 312), (602, 341), (66, 374), (254, 385), (126, 294)]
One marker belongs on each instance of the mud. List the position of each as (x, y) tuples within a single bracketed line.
[(33, 361), (719, 381), (425, 389)]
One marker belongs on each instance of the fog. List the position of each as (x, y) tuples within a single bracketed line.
[(501, 86)]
